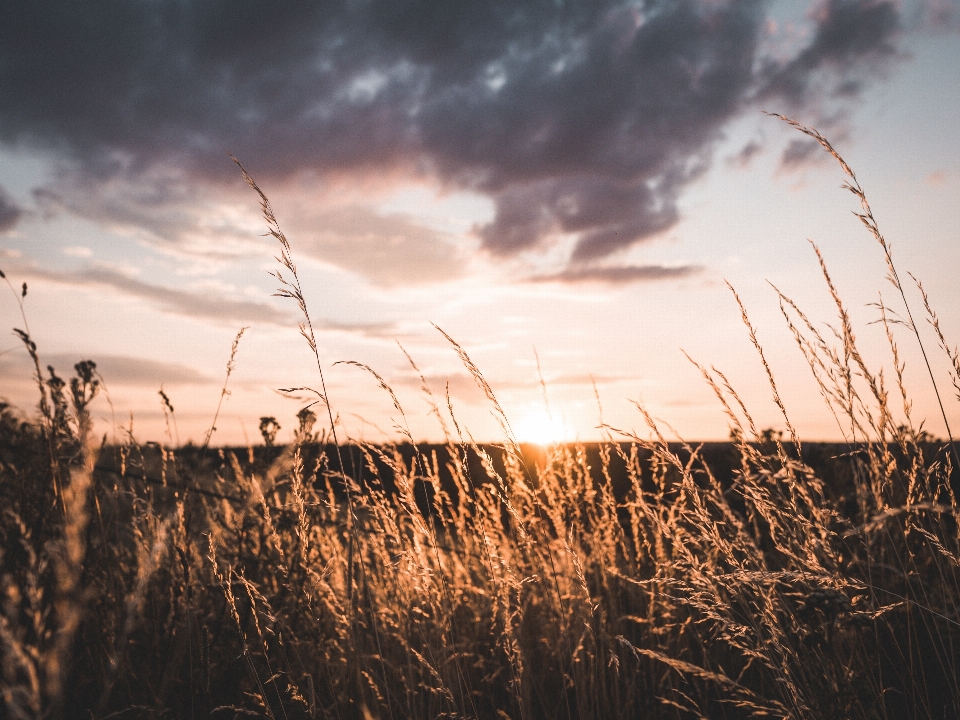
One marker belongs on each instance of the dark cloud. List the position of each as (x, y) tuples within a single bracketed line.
[(853, 38), (618, 275), (583, 118), (10, 212)]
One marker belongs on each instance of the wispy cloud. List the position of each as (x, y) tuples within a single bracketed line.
[(115, 369), (78, 251), (202, 306), (618, 275)]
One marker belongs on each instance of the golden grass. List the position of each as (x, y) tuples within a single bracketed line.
[(632, 579)]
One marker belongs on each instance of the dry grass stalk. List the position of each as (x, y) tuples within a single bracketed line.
[(645, 578)]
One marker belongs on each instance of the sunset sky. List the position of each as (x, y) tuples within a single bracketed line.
[(572, 181)]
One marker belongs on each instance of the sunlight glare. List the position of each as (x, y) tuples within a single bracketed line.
[(538, 427)]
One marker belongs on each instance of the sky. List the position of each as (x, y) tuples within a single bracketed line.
[(563, 188)]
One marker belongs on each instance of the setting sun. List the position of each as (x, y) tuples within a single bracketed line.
[(538, 426)]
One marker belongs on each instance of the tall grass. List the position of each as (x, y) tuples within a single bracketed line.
[(634, 578)]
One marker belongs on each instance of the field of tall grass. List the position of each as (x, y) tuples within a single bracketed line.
[(635, 578)]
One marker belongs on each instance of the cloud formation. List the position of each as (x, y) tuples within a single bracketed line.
[(584, 119)]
